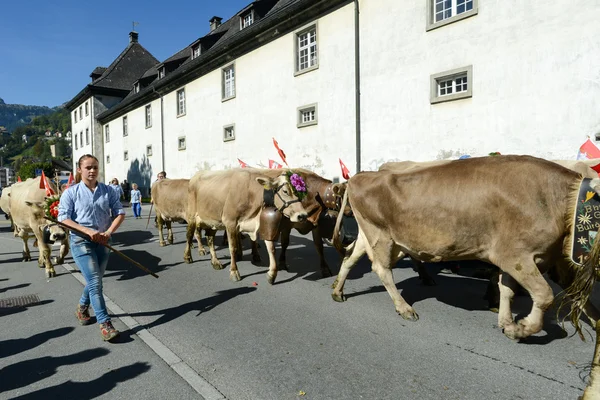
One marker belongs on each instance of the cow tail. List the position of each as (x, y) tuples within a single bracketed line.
[(581, 288), (337, 240)]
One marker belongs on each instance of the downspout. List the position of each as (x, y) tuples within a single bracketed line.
[(162, 131), (357, 81)]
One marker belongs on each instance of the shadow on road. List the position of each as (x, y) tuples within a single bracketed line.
[(201, 306), (11, 347), (127, 270), (6, 289), (131, 238), (14, 310), (27, 372), (92, 389)]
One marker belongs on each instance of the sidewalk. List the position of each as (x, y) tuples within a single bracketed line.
[(46, 354)]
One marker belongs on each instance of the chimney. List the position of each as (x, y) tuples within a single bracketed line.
[(133, 37), (215, 22)]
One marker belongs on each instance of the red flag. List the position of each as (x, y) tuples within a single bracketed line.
[(274, 165), (242, 164), (19, 179), (281, 153), (345, 170), (71, 180), (588, 150), (45, 185)]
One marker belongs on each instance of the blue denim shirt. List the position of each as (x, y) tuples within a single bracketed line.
[(90, 209), (136, 196)]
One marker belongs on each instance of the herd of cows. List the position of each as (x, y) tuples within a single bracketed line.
[(514, 212)]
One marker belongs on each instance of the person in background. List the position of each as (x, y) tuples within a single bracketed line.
[(126, 190), (87, 207), (136, 201), (114, 184)]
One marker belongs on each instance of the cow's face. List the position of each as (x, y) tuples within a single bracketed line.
[(285, 200), (52, 233)]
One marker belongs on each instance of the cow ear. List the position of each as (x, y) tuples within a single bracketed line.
[(265, 182), (338, 189)]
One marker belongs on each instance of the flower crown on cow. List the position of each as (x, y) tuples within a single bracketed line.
[(51, 206), (298, 184)]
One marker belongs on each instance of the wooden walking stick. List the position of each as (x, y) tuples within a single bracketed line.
[(137, 264), (149, 213)]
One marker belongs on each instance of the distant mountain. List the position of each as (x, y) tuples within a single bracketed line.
[(15, 115)]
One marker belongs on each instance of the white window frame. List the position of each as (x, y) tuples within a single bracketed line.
[(196, 51), (76, 143), (180, 99), (148, 150), (181, 143), (161, 72), (87, 136), (302, 112), (431, 14), (148, 116), (87, 111), (106, 133), (229, 133), (300, 47), (125, 126), (81, 139), (437, 81), (75, 115), (126, 155), (247, 20), (80, 113), (108, 159), (228, 82), (136, 87)]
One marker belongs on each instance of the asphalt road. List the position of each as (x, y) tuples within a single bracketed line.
[(251, 340)]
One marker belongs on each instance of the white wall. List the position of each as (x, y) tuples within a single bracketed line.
[(536, 80)]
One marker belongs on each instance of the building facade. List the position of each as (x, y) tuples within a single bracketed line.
[(363, 81)]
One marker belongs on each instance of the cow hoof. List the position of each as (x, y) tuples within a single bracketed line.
[(171, 241), (271, 279), (340, 298), (514, 331), (187, 260), (162, 244), (235, 276), (201, 251), (50, 274), (409, 315), (217, 265)]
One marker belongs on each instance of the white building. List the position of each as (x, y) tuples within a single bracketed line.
[(418, 80)]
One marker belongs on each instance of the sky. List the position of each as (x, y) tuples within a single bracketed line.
[(49, 48)]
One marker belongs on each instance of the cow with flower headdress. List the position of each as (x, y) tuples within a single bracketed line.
[(29, 205), (233, 200)]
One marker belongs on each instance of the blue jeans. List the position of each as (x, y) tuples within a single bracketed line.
[(91, 258), (137, 209)]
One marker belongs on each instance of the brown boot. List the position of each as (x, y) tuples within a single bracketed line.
[(83, 314), (108, 331)]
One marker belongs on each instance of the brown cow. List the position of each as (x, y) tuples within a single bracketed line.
[(170, 197), (27, 211), (511, 211), (233, 200)]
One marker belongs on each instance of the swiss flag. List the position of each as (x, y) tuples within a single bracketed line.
[(588, 150), (274, 165), (345, 170), (71, 180), (281, 153), (19, 179), (45, 185), (242, 164)]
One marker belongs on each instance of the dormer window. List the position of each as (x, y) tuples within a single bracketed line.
[(161, 73), (136, 87), (196, 51), (247, 20)]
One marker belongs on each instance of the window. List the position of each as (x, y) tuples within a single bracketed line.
[(125, 155), (80, 113), (87, 111), (444, 12), (75, 115), (125, 133), (81, 139), (228, 133), (136, 87), (181, 143), (161, 72), (87, 136), (196, 51), (307, 115), (148, 116), (228, 82), (76, 142), (180, 102), (452, 85), (108, 159), (106, 134), (149, 150), (306, 50), (247, 20)]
